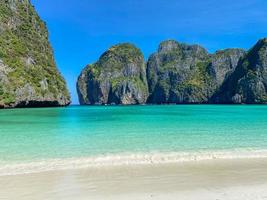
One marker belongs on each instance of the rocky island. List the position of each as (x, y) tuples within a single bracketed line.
[(177, 73), (118, 77), (181, 73), (28, 74), (248, 82)]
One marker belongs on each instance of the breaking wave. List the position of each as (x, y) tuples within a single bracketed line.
[(125, 159)]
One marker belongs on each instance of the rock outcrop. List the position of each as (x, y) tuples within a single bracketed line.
[(248, 83), (184, 74), (118, 77), (28, 74), (176, 74), (223, 64)]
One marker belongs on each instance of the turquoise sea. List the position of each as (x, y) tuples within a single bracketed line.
[(75, 132)]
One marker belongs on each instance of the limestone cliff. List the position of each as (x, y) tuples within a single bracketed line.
[(28, 74), (248, 83), (177, 73), (118, 77), (180, 73)]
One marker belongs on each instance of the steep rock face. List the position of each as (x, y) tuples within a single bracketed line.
[(182, 74), (118, 77), (178, 73), (248, 83), (223, 64), (28, 74)]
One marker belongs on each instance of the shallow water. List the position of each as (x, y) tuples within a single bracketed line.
[(28, 135)]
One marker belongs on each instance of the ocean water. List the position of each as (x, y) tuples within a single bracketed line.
[(83, 135)]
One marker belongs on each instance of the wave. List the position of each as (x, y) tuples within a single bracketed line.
[(125, 159)]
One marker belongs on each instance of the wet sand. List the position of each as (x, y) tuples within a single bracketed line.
[(232, 179)]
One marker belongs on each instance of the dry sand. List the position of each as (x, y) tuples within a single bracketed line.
[(225, 179)]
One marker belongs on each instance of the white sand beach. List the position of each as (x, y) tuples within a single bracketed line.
[(225, 179)]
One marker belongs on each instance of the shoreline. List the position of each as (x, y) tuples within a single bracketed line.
[(133, 105), (207, 179), (127, 159)]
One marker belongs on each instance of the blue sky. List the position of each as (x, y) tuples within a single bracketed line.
[(81, 30)]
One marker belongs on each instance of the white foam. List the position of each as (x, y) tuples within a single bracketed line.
[(125, 159)]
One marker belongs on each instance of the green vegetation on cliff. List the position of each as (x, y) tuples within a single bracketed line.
[(181, 73), (176, 73), (118, 77), (248, 83), (27, 67)]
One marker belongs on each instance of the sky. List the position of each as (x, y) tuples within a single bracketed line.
[(81, 30)]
